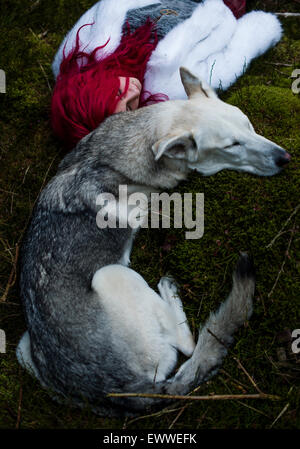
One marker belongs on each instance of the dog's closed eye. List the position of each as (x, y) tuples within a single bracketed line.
[(233, 144)]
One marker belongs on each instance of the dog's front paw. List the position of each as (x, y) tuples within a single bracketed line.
[(167, 285)]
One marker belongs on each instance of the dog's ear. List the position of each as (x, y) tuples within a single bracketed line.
[(180, 146), (193, 85)]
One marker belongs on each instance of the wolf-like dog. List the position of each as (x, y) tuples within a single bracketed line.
[(94, 325)]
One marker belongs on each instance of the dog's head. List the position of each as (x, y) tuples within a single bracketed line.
[(212, 135)]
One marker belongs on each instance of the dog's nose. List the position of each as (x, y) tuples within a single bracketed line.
[(283, 159)]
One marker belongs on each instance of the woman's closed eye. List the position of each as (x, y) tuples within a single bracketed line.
[(128, 96), (128, 107)]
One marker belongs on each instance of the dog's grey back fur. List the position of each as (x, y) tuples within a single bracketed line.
[(74, 348)]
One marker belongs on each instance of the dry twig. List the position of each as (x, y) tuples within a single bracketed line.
[(280, 232), (152, 415), (240, 384), (279, 64), (253, 408), (178, 415), (239, 364), (215, 397), (12, 277), (280, 415), (248, 375), (288, 14), (218, 339), (283, 263)]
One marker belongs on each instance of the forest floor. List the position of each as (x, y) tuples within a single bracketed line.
[(242, 212)]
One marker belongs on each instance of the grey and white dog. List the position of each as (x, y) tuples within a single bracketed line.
[(94, 325)]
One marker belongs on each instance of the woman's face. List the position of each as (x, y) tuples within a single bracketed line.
[(129, 101)]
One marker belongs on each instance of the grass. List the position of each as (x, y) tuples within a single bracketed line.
[(242, 212)]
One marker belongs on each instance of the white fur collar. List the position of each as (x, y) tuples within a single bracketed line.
[(211, 43)]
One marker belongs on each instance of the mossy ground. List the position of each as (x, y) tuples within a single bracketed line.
[(242, 212)]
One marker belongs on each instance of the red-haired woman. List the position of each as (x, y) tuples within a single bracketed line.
[(124, 54)]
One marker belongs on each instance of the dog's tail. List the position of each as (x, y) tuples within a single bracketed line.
[(213, 341)]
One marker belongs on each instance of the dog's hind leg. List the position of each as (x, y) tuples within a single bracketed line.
[(169, 292), (144, 327)]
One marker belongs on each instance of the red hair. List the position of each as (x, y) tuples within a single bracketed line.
[(86, 91), (238, 7)]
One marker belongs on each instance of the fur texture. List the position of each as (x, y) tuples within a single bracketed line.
[(94, 325), (87, 88), (210, 41)]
